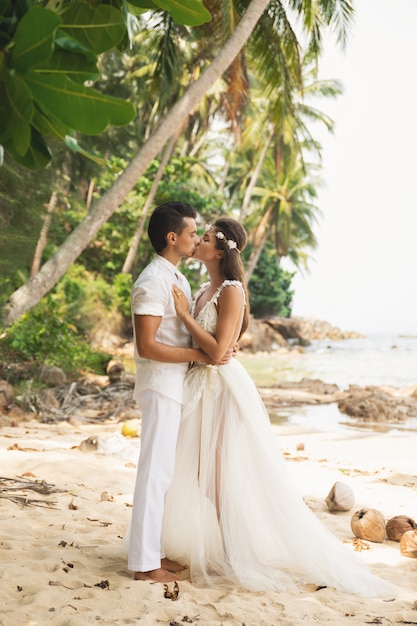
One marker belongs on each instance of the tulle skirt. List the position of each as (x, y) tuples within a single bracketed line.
[(232, 512)]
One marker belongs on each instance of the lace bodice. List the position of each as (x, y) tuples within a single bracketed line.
[(207, 317)]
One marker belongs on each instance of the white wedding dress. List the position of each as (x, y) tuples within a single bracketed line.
[(232, 511)]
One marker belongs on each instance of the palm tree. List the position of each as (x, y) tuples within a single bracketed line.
[(278, 126), (287, 210), (335, 13)]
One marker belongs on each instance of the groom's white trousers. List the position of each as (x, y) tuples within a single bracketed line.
[(160, 424)]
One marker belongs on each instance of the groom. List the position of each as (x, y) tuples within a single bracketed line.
[(162, 353)]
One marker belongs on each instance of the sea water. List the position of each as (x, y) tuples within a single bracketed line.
[(373, 360)]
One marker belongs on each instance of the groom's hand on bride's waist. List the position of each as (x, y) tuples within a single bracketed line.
[(226, 358)]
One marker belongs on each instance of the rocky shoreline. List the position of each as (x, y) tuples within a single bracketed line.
[(266, 335), (367, 405), (103, 398)]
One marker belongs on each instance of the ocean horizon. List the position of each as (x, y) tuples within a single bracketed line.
[(377, 359)]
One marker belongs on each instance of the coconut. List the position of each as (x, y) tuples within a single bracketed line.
[(368, 524), (408, 544), (340, 498), (398, 525)]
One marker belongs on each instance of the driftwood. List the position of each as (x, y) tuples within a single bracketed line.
[(89, 402), (9, 488)]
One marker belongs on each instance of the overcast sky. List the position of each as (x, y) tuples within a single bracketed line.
[(364, 274)]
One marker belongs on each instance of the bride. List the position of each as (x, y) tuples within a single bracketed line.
[(232, 513)]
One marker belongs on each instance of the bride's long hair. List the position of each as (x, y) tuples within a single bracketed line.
[(231, 266)]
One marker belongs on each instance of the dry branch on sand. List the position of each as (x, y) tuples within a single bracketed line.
[(80, 400), (10, 488)]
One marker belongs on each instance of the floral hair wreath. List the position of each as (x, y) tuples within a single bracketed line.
[(231, 244)]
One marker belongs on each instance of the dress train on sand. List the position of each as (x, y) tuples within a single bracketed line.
[(232, 511)]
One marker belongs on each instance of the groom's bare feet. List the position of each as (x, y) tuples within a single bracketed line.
[(156, 575), (172, 566)]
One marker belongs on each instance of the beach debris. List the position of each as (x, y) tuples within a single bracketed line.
[(82, 402), (104, 584), (115, 445), (115, 370), (22, 482), (358, 544), (172, 595), (16, 446), (130, 428), (368, 524), (89, 445), (64, 544), (67, 567), (340, 497), (408, 544), (398, 525), (102, 523), (106, 497), (10, 488)]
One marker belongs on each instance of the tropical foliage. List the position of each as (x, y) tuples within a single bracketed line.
[(270, 286), (225, 126), (48, 50)]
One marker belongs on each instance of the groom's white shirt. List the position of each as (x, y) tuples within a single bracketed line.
[(152, 295)]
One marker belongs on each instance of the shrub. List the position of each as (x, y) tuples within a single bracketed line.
[(44, 335)]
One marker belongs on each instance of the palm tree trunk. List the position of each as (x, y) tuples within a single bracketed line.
[(259, 240), (254, 257), (255, 175), (225, 172), (90, 194), (196, 147), (43, 237), (29, 294), (131, 255)]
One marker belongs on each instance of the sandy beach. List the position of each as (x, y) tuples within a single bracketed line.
[(62, 555)]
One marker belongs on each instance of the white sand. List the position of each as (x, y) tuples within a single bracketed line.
[(61, 566)]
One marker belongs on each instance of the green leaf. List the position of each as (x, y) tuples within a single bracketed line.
[(78, 107), (142, 4), (49, 126), (5, 114), (189, 12), (21, 112), (99, 29), (65, 42), (4, 5), (37, 155), (34, 38), (73, 144), (70, 64)]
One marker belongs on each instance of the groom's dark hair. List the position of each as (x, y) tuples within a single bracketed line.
[(167, 218)]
